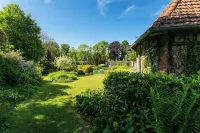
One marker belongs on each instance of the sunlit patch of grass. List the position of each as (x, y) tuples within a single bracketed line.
[(51, 109)]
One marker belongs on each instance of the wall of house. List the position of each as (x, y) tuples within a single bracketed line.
[(144, 63), (185, 49), (163, 65)]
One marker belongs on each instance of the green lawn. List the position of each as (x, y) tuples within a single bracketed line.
[(51, 109)]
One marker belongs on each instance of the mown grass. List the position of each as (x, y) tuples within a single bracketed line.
[(51, 109)]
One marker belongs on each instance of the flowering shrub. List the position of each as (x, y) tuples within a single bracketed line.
[(62, 62)]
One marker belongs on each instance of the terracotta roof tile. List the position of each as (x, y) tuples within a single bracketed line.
[(179, 13)]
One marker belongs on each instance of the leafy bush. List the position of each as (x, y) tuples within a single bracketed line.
[(4, 114), (71, 68), (120, 68), (80, 72), (87, 69), (177, 110), (88, 103), (16, 94), (133, 102), (63, 76), (16, 71), (48, 66)]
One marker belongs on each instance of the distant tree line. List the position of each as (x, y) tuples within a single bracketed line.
[(19, 32)]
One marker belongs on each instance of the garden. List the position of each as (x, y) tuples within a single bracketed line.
[(51, 88)]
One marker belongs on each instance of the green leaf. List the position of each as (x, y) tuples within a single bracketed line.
[(107, 131), (129, 128), (115, 125)]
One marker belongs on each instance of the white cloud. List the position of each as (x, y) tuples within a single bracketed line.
[(130, 8), (102, 5), (47, 1)]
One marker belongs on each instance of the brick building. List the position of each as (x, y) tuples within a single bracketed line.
[(175, 29)]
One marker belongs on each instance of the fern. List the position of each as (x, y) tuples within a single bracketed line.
[(175, 112)]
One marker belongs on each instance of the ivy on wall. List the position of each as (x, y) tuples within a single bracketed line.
[(191, 59), (152, 52)]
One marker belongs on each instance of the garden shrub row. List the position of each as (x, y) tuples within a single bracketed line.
[(137, 103)]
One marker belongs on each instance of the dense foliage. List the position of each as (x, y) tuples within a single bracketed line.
[(124, 49), (190, 58), (88, 69), (132, 102), (99, 53), (63, 76), (3, 39), (114, 50), (22, 32), (64, 49), (14, 70)]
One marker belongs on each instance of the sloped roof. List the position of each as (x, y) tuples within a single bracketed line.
[(179, 13)]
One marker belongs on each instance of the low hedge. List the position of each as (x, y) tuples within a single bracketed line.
[(129, 101), (63, 76)]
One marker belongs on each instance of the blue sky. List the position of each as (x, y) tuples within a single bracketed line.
[(89, 21)]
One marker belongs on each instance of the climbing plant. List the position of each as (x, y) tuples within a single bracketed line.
[(151, 53), (191, 59)]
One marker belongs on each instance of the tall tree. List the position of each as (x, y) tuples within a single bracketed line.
[(83, 52), (114, 50), (51, 50), (99, 52), (22, 31), (64, 50), (73, 54), (44, 37), (124, 49)]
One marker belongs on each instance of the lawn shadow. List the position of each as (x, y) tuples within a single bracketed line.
[(51, 110), (51, 90), (39, 118)]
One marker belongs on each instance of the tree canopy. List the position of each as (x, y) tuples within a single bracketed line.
[(22, 31), (64, 50), (114, 50), (124, 49)]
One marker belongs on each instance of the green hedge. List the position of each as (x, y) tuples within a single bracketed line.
[(137, 103), (63, 76)]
